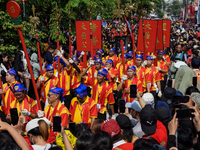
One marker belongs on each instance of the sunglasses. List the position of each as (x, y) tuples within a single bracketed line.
[(49, 95)]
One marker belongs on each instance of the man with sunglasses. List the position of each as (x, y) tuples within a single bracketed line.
[(24, 104), (55, 108)]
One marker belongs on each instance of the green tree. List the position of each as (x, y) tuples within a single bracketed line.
[(174, 8)]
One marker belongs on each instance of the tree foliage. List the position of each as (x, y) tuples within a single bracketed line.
[(9, 39), (174, 8)]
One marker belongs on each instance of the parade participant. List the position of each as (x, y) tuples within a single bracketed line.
[(162, 68), (64, 81), (83, 108), (75, 73), (103, 94), (120, 67), (49, 81), (98, 66), (113, 57), (55, 108), (125, 52), (141, 72), (25, 105), (112, 76), (11, 77), (130, 58), (127, 80), (153, 77)]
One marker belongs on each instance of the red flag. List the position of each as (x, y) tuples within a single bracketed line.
[(147, 38), (96, 34), (159, 38), (166, 32), (83, 35)]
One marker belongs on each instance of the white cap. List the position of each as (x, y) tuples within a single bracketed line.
[(148, 97), (33, 124), (135, 105), (179, 63)]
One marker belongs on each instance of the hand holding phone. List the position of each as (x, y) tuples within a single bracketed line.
[(14, 116), (56, 123), (133, 90), (194, 81)]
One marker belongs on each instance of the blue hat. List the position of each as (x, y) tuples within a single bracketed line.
[(49, 67), (19, 88), (161, 103), (110, 61), (132, 68), (98, 53), (159, 51), (139, 56), (103, 72), (81, 90), (179, 93), (13, 72), (61, 61), (126, 56), (130, 53), (98, 60), (94, 57), (75, 59), (112, 50), (101, 50), (149, 58), (58, 91), (124, 47)]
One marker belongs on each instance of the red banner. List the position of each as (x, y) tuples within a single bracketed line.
[(96, 34), (159, 38), (147, 41), (191, 13), (166, 32), (83, 35)]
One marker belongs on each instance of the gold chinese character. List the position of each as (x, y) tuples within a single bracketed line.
[(147, 35), (94, 28), (94, 41), (164, 39), (83, 27), (83, 36), (164, 27), (12, 9), (84, 44), (146, 45), (157, 41), (148, 26)]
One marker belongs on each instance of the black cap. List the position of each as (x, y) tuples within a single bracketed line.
[(195, 62), (168, 95), (123, 121), (148, 118)]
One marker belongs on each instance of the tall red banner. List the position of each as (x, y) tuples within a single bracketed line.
[(147, 42), (191, 13), (96, 34), (159, 38), (166, 32), (83, 35)]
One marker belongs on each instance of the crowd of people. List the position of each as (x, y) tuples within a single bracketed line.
[(95, 102)]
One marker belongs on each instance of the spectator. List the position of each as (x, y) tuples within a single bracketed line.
[(48, 55)]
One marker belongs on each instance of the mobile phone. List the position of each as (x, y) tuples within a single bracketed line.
[(56, 123), (72, 126), (180, 99), (133, 90), (122, 106), (184, 113), (169, 83), (14, 116), (194, 81)]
